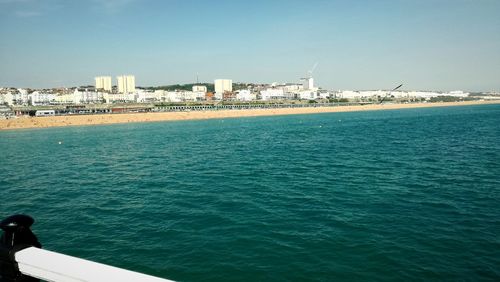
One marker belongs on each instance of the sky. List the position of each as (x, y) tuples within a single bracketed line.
[(438, 45)]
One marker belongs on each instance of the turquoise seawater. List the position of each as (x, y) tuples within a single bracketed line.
[(364, 196)]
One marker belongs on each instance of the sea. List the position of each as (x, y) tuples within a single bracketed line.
[(391, 195)]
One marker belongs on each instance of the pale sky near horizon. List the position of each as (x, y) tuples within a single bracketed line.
[(426, 45)]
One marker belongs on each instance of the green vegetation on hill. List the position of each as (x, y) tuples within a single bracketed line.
[(189, 87), (240, 86), (185, 87)]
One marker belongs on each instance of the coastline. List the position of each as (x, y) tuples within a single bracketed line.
[(103, 119)]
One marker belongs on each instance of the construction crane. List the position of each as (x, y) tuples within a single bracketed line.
[(310, 72), (309, 79)]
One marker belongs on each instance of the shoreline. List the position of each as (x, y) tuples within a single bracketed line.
[(103, 119)]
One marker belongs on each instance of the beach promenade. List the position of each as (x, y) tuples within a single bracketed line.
[(101, 119)]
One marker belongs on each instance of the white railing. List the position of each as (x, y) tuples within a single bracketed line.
[(55, 267)]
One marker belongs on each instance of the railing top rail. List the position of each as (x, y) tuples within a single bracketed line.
[(56, 267)]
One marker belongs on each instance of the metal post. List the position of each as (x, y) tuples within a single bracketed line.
[(16, 236)]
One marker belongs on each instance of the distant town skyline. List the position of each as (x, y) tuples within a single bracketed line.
[(438, 45)]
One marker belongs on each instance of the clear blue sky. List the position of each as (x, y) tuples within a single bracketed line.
[(425, 44)]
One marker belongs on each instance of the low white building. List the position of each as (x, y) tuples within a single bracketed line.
[(120, 98), (200, 88), (308, 95), (160, 95), (245, 95), (7, 98), (372, 93), (180, 96), (272, 94), (144, 96), (173, 96), (398, 94), (87, 97), (423, 94), (194, 95), (323, 94), (457, 93), (349, 94), (293, 88)]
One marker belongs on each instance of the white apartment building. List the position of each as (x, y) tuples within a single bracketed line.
[(103, 83), (39, 98), (87, 97), (126, 84), (66, 98), (222, 86), (308, 83)]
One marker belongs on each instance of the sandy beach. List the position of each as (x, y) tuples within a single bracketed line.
[(78, 120)]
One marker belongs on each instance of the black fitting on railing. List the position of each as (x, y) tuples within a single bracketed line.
[(16, 236)]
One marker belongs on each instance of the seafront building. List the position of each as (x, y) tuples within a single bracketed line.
[(7, 98), (67, 99), (75, 96), (272, 94), (85, 96), (308, 95), (245, 95), (371, 94), (126, 84), (20, 97), (221, 87), (39, 98), (111, 98), (103, 83), (308, 83), (126, 92)]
